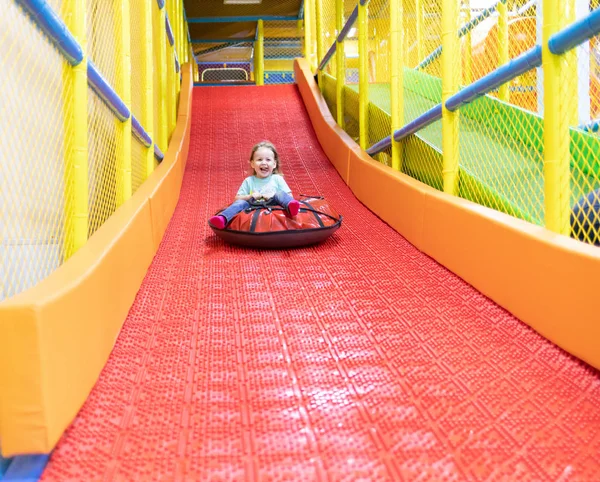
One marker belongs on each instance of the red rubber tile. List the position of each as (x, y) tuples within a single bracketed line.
[(359, 359)]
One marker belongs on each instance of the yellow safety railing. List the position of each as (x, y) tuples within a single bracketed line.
[(77, 138), (528, 147)]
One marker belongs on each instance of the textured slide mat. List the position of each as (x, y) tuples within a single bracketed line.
[(357, 359)]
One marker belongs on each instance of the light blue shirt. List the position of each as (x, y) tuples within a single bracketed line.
[(265, 187)]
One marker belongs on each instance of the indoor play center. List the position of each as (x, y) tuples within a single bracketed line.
[(424, 308)]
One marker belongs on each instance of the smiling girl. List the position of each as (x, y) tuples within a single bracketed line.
[(266, 185)]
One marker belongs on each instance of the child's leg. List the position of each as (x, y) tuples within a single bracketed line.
[(224, 217), (288, 202)]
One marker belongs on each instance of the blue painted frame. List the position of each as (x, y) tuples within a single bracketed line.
[(169, 30), (158, 153), (25, 468), (429, 117), (106, 92), (140, 133), (575, 34), (53, 26)]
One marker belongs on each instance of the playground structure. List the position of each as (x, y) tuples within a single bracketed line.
[(459, 146)]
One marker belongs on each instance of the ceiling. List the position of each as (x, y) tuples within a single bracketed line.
[(217, 8), (215, 20)]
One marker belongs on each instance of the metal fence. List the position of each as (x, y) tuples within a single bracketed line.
[(475, 128), (89, 94)]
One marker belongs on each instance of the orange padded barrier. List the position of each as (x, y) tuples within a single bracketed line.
[(56, 337), (546, 280)]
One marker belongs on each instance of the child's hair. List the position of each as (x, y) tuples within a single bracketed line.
[(270, 146)]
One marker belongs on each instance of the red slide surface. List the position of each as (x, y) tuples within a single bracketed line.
[(357, 359)]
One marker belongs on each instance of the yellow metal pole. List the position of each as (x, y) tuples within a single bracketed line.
[(503, 92), (123, 88), (183, 30), (450, 76), (319, 35), (396, 78), (173, 81), (468, 55), (148, 83), (163, 115), (363, 76), (76, 135), (177, 29), (184, 35), (171, 74), (340, 64), (570, 73), (556, 130), (170, 87), (419, 28), (260, 54), (308, 27)]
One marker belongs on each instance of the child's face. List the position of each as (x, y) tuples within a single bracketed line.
[(263, 162)]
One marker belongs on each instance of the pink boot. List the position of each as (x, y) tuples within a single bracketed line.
[(218, 222), (293, 207)]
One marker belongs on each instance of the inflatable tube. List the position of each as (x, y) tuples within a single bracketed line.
[(266, 226)]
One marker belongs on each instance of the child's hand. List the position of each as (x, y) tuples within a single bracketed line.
[(256, 195)]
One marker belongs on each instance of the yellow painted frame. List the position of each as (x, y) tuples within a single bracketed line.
[(76, 129), (123, 88)]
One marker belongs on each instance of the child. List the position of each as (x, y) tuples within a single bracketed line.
[(266, 184)]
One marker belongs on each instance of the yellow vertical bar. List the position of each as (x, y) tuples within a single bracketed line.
[(184, 35), (170, 87), (363, 76), (570, 72), (174, 88), (163, 116), (419, 28), (76, 135), (259, 52), (340, 64), (123, 88), (556, 130), (171, 74), (184, 42), (148, 82), (319, 34), (450, 76), (468, 56), (396, 78), (308, 27), (503, 92), (176, 28)]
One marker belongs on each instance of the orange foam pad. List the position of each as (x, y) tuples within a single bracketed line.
[(56, 337), (546, 280)]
